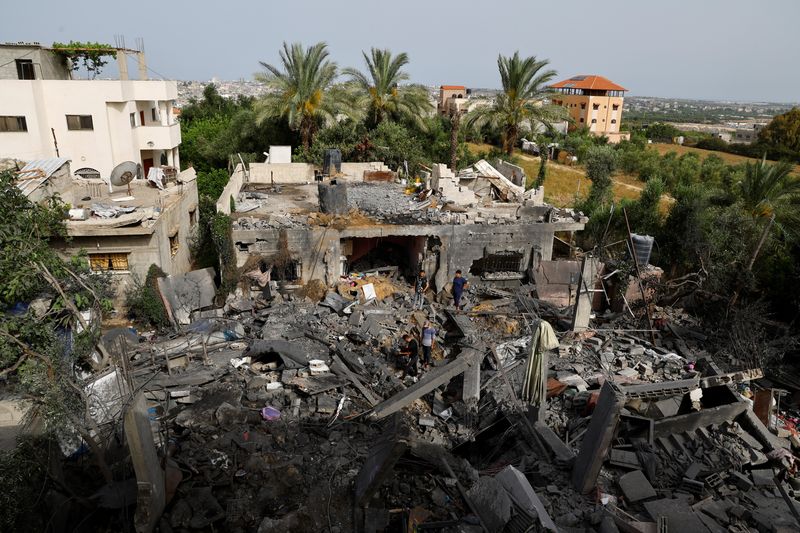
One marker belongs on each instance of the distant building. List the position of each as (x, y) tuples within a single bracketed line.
[(122, 229), (593, 102), (452, 98), (97, 124), (747, 135)]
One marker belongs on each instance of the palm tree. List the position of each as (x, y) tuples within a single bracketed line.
[(768, 194), (301, 91), (522, 99), (381, 92)]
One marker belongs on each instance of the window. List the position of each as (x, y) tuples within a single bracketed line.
[(87, 173), (192, 217), (583, 106), (133, 120), (594, 121), (80, 122), (13, 124), (595, 106), (154, 114), (615, 107), (173, 244), (613, 121), (581, 119), (25, 69), (104, 262)]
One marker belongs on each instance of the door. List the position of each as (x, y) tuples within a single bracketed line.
[(141, 116), (147, 164)]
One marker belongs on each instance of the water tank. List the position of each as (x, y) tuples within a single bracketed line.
[(643, 246), (332, 162), (332, 198)]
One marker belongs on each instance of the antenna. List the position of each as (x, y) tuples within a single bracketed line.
[(125, 173)]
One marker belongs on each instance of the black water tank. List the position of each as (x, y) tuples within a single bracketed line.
[(643, 246), (331, 162), (332, 198)]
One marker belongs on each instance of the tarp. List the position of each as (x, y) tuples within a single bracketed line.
[(544, 339)]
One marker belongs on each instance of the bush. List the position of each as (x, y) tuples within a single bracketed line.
[(144, 301), (600, 163)]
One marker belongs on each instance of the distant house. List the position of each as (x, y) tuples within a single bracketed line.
[(747, 135), (97, 124), (452, 98), (123, 230), (593, 102)]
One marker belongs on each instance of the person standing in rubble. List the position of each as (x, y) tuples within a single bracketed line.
[(411, 353), (428, 338), (459, 284), (420, 286)]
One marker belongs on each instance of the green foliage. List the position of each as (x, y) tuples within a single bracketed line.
[(301, 90), (381, 93), (88, 55), (24, 475), (543, 155), (782, 134), (221, 236), (662, 132), (212, 183), (600, 164), (524, 82), (144, 301)]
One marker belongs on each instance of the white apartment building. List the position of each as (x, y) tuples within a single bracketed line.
[(97, 124)]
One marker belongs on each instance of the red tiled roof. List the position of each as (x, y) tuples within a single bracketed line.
[(453, 87), (592, 81)]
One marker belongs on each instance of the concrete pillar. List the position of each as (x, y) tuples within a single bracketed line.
[(142, 66), (122, 62), (472, 383), (583, 304), (147, 466)]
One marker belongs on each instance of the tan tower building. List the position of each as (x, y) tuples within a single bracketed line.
[(593, 102)]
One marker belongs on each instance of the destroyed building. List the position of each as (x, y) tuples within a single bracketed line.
[(123, 229)]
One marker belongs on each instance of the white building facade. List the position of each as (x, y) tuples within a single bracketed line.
[(97, 124)]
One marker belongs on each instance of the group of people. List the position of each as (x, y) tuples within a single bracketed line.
[(410, 352)]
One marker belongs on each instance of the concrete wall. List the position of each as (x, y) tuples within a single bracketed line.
[(46, 65), (281, 173), (511, 171), (355, 171), (45, 104), (231, 190), (319, 249)]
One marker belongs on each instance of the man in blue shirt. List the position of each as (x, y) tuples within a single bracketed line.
[(459, 284), (428, 335)]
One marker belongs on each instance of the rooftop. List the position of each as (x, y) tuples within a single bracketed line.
[(453, 87), (588, 81)]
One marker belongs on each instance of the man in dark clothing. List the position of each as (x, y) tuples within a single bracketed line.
[(420, 286), (459, 284), (411, 352)]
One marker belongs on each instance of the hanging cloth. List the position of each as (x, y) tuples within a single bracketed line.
[(544, 339)]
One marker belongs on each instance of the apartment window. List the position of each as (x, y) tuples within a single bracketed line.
[(594, 121), (595, 106), (13, 124), (80, 122), (615, 107), (173, 244), (133, 120), (581, 119), (583, 106), (87, 173), (613, 121), (25, 69), (105, 262)]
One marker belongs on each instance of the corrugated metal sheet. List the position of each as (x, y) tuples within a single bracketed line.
[(37, 172)]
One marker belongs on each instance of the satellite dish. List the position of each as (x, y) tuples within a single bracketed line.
[(125, 173)]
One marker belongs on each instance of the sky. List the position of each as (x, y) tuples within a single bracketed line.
[(706, 49)]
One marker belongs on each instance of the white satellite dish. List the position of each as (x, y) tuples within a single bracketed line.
[(124, 173)]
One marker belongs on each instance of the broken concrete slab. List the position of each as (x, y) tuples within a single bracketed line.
[(678, 514), (523, 495), (383, 455), (188, 292), (598, 437), (636, 487), (492, 503), (692, 421), (151, 495), (563, 454)]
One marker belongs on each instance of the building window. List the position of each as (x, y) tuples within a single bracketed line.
[(13, 124), (581, 119), (154, 114), (25, 69), (192, 217), (104, 262), (615, 107), (583, 106), (133, 120), (595, 106), (87, 173), (80, 122), (594, 121), (613, 121), (173, 244)]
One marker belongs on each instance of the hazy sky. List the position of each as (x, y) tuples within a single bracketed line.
[(720, 49)]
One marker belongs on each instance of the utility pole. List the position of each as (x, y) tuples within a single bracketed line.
[(55, 141)]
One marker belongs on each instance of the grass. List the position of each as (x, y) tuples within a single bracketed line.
[(565, 185), (730, 159)]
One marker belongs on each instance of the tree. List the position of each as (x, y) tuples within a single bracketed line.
[(301, 90), (600, 164), (767, 194), (521, 101), (543, 155), (783, 132), (380, 89), (88, 55), (662, 132)]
